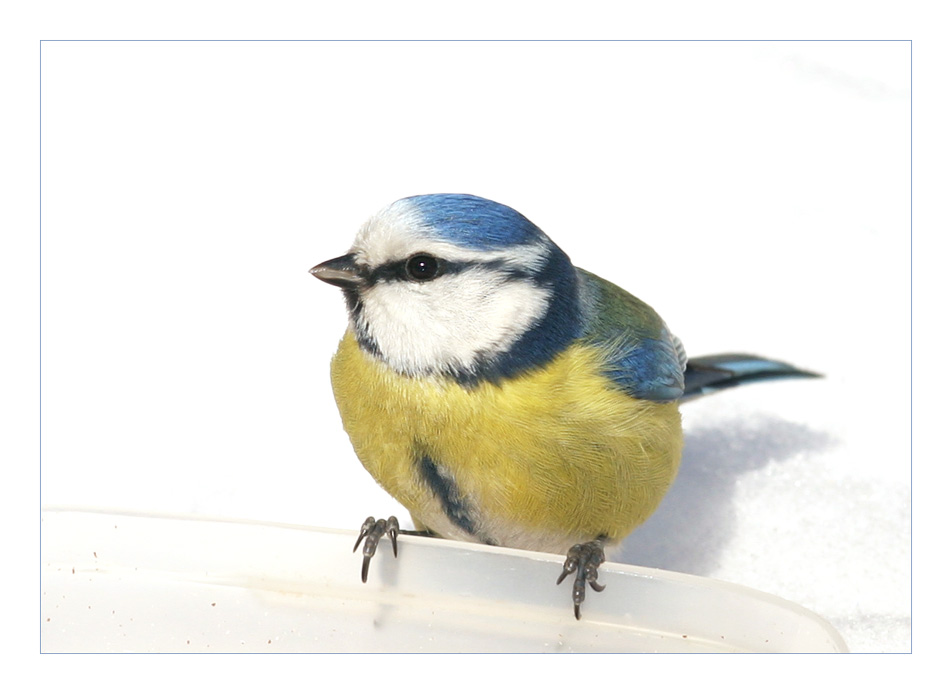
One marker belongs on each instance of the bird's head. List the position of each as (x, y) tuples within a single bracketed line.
[(457, 285)]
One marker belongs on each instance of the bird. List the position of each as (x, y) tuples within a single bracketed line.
[(502, 394)]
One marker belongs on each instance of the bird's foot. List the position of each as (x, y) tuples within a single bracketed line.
[(373, 530), (583, 560)]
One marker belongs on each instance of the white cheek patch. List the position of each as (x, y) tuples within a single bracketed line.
[(449, 323)]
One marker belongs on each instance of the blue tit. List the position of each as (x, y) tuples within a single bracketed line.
[(503, 395)]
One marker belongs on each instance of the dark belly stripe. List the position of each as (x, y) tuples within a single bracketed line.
[(442, 484)]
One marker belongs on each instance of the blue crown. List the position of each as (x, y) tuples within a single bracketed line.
[(474, 222)]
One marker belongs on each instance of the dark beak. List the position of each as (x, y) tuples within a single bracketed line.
[(341, 272)]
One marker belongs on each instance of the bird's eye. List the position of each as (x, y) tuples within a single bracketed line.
[(422, 267)]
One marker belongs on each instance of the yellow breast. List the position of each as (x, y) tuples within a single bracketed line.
[(556, 456)]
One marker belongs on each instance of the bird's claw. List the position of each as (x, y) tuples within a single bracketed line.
[(373, 530), (583, 560)]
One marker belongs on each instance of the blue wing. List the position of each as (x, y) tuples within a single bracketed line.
[(644, 358)]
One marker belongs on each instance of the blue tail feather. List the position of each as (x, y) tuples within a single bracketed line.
[(715, 372)]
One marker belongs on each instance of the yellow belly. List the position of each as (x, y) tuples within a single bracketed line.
[(553, 457)]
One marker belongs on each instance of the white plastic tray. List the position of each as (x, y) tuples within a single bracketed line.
[(126, 582)]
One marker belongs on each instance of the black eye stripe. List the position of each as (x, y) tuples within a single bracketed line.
[(396, 270)]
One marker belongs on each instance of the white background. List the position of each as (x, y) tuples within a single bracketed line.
[(27, 23), (757, 194)]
